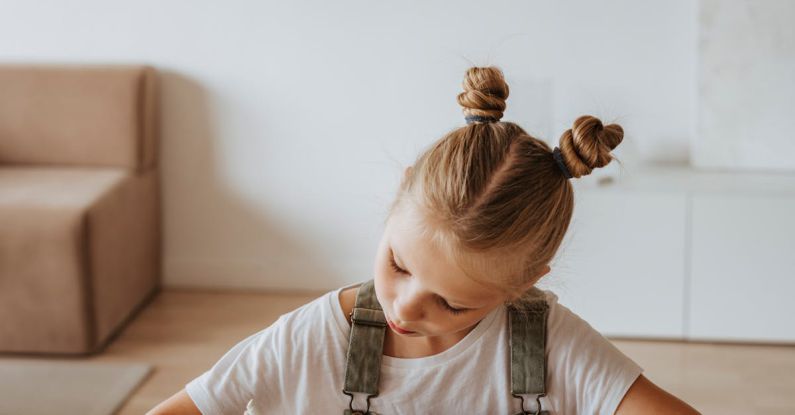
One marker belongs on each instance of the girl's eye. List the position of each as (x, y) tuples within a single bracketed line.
[(451, 309), (395, 267), (443, 303)]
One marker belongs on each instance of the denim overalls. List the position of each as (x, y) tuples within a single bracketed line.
[(528, 341)]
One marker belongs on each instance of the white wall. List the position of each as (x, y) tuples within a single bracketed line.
[(746, 93), (287, 124)]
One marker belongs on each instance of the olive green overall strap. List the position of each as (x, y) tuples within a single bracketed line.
[(366, 344), (528, 344)]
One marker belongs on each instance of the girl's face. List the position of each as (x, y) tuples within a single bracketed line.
[(420, 290)]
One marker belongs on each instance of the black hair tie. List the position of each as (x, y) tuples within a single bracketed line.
[(559, 159), (479, 118)]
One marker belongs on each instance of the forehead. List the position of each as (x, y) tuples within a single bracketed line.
[(429, 263)]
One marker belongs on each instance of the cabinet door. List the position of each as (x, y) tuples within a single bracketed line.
[(743, 268), (621, 267)]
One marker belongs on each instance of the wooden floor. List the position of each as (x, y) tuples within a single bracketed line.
[(183, 333)]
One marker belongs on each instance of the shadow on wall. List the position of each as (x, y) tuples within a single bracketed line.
[(213, 236)]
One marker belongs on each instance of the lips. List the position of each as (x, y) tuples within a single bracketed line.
[(396, 328)]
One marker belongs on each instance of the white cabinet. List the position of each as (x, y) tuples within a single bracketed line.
[(743, 268), (682, 254), (621, 266)]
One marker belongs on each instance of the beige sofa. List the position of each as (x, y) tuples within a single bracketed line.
[(79, 204)]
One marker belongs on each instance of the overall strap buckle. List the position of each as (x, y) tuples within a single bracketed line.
[(538, 405), (351, 411)]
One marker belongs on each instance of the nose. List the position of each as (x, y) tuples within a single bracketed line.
[(408, 305)]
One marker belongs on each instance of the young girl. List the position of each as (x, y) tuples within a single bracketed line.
[(452, 319)]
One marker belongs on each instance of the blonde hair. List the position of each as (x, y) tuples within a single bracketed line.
[(492, 197)]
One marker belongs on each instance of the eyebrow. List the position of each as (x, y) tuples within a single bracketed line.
[(457, 303)]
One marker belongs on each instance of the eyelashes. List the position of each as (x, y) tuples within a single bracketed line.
[(451, 309), (395, 267), (443, 303)]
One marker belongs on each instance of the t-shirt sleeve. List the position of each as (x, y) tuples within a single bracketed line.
[(592, 373), (242, 373)]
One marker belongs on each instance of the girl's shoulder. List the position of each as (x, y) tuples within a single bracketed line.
[(347, 299), (561, 320), (311, 317), (323, 315)]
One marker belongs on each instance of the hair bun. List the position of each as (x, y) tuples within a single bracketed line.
[(587, 145), (485, 92)]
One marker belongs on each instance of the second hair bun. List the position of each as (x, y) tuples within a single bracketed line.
[(587, 145)]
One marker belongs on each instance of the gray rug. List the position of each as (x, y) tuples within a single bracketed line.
[(38, 386)]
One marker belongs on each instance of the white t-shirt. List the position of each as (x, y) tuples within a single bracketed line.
[(297, 366)]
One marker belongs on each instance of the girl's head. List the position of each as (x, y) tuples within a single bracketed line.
[(480, 214)]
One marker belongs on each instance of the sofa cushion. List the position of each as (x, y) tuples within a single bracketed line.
[(45, 292)]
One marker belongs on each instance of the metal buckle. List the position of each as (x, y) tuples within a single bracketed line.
[(538, 404), (355, 411)]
